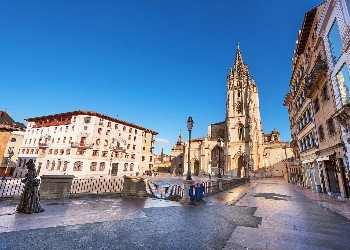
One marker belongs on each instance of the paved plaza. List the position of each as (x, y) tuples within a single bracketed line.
[(263, 214)]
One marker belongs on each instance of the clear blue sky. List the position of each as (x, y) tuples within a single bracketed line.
[(153, 63)]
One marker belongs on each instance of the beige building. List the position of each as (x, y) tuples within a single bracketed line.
[(317, 139), (235, 145), (84, 144), (11, 136)]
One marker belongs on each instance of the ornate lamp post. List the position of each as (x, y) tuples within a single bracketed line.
[(219, 165), (189, 127)]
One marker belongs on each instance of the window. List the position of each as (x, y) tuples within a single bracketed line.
[(72, 128), (81, 151), (36, 151), (70, 139), (108, 132), (93, 166), (343, 83), (331, 127), (50, 151), (134, 138), (325, 95), (13, 139), (58, 140), (53, 165), (65, 164), (132, 167), (61, 151), (87, 119), (316, 105), (109, 124), (104, 153), (125, 167), (67, 151), (116, 126), (47, 164), (334, 41), (102, 166), (56, 151), (124, 128), (106, 143), (64, 140), (134, 147), (59, 165), (95, 153), (78, 166), (133, 156), (99, 130), (240, 132), (114, 168), (128, 147), (97, 142), (66, 128)]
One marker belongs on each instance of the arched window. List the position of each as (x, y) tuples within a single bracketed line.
[(102, 166), (78, 166), (240, 131)]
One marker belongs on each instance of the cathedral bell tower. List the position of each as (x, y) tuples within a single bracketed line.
[(243, 123)]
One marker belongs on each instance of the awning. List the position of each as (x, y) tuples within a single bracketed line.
[(324, 158), (308, 161)]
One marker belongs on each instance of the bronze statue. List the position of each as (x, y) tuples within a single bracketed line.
[(30, 198)]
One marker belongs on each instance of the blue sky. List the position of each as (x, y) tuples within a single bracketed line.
[(153, 63)]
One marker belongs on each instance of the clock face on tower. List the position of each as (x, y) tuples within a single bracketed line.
[(221, 133)]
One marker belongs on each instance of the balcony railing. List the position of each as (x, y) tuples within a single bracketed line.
[(81, 145), (43, 145), (319, 69), (117, 149)]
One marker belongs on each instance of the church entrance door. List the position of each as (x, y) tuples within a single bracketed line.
[(196, 168), (240, 164)]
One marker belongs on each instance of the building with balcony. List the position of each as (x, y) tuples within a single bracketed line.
[(83, 144), (317, 138), (334, 31)]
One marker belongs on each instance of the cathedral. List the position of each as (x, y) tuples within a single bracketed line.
[(235, 146)]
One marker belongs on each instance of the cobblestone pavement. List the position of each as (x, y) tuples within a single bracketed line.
[(263, 214), (289, 221)]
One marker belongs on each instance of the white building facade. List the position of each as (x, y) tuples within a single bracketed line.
[(83, 144)]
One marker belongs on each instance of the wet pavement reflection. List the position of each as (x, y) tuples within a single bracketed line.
[(263, 214)]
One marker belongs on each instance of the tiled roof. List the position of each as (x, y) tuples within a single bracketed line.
[(7, 123), (91, 113)]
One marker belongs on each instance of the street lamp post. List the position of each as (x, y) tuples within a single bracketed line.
[(189, 127), (219, 165)]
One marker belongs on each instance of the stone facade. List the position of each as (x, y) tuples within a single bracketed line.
[(84, 144), (317, 138), (235, 145), (334, 30)]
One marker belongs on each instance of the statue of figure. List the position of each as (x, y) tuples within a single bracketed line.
[(30, 198), (180, 137)]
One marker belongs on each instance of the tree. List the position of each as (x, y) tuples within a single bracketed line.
[(162, 156)]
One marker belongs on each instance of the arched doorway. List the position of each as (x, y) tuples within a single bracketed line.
[(240, 164), (215, 160), (196, 167)]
